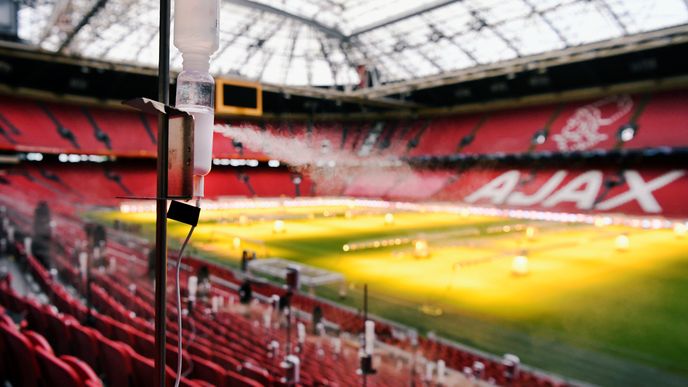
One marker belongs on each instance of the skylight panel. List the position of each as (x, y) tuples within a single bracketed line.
[(486, 46), (258, 41), (640, 16), (531, 35), (496, 11), (450, 56), (584, 23)]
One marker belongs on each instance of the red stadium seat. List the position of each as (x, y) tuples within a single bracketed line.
[(143, 370), (85, 344), (144, 344), (116, 362), (226, 361), (236, 380), (58, 332), (144, 373), (85, 372), (4, 351), (55, 371), (38, 341), (6, 320), (256, 373), (22, 367), (208, 371)]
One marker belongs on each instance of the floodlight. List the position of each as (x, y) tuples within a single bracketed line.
[(622, 242), (627, 132), (278, 227), (420, 248), (519, 266), (389, 218), (539, 137)]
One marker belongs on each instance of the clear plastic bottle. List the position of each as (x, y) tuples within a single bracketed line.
[(195, 94), (196, 36)]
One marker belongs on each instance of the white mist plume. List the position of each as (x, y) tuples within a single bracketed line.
[(328, 167)]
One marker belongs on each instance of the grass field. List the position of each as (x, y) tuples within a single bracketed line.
[(585, 310)]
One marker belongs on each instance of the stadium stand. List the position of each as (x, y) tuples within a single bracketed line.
[(117, 347), (218, 352)]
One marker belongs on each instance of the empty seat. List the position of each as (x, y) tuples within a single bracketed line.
[(226, 361), (116, 362), (55, 371), (22, 366), (144, 373), (256, 373), (85, 372), (58, 332), (38, 341), (3, 352), (208, 371), (144, 344), (143, 370), (36, 316), (236, 380), (85, 344)]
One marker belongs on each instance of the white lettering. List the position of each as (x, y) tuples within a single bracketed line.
[(582, 191), (521, 199), (497, 190), (641, 191), (572, 192)]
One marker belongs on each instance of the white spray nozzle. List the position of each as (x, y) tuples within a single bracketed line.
[(83, 259), (193, 287), (215, 306), (441, 370), (198, 186), (429, 370), (301, 332), (27, 246), (369, 336)]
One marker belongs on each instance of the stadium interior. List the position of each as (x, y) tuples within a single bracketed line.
[(407, 193)]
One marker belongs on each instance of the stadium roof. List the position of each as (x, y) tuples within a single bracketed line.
[(321, 42)]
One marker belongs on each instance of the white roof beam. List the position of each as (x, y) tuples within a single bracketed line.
[(280, 12), (407, 15)]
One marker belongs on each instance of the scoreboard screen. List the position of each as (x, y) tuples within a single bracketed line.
[(237, 97)]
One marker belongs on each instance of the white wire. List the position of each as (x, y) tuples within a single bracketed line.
[(179, 309)]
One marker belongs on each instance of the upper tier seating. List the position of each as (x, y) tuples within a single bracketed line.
[(581, 125)]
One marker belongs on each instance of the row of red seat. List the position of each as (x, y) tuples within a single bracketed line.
[(350, 321), (235, 353), (208, 343), (659, 119), (85, 347), (26, 357), (122, 350)]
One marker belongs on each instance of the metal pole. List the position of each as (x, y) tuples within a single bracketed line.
[(365, 303), (89, 300), (365, 318), (161, 197), (288, 348)]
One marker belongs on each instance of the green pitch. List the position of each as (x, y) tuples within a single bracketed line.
[(584, 309)]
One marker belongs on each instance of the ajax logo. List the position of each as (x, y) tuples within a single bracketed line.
[(582, 129)]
